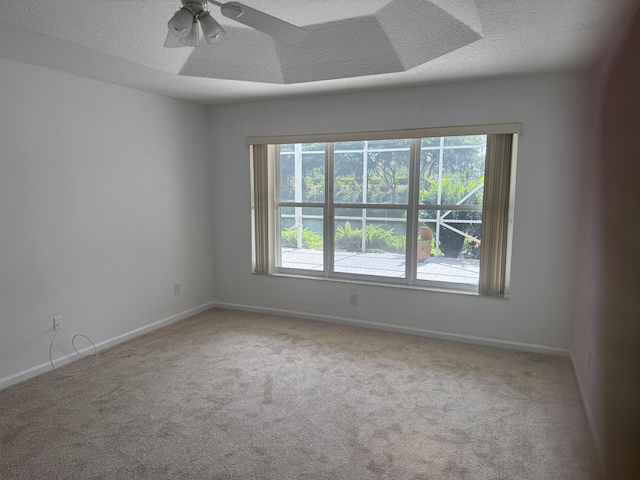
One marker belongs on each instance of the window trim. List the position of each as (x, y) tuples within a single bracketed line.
[(412, 207), (450, 131)]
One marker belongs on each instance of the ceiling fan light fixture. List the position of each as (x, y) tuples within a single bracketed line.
[(232, 10), (172, 41), (211, 29), (186, 23), (193, 38), (181, 23)]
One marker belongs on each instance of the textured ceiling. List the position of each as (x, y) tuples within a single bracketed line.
[(399, 36), (355, 44)]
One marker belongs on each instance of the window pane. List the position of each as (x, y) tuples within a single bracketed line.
[(370, 245), (287, 175), (386, 144), (388, 173), (302, 172), (313, 147), (430, 142), (463, 176), (349, 214), (382, 213), (348, 146), (453, 176), (301, 237), (287, 216), (449, 246), (312, 177), (429, 177), (465, 140), (348, 177)]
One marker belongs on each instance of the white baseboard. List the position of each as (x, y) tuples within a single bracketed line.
[(525, 347), (454, 337), (45, 367), (590, 420)]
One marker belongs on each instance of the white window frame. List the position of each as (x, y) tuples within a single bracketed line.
[(412, 207)]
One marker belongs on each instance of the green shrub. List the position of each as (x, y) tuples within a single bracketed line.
[(377, 238), (398, 243), (348, 239), (289, 238), (471, 248)]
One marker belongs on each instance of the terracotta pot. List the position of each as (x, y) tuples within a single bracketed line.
[(426, 234), (424, 250)]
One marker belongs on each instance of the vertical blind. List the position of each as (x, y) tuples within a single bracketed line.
[(495, 215), (262, 207)]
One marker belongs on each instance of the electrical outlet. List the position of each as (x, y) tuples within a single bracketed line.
[(354, 299), (57, 323), (176, 289)]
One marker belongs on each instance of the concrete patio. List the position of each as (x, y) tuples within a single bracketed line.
[(391, 265)]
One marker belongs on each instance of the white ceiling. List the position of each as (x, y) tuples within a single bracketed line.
[(354, 44)]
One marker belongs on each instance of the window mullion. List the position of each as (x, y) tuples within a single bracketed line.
[(412, 212), (276, 244), (329, 215), (365, 186), (438, 212), (298, 190)]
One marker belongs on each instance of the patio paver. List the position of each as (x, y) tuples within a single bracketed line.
[(391, 265)]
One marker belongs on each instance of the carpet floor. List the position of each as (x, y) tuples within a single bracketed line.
[(234, 395)]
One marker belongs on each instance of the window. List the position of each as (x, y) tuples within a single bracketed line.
[(427, 211)]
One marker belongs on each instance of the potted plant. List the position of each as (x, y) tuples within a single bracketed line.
[(424, 243)]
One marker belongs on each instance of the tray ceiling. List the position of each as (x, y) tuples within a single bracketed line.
[(350, 45)]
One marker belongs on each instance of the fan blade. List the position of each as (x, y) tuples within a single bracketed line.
[(278, 29)]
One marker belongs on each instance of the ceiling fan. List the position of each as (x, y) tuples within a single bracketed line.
[(193, 24)]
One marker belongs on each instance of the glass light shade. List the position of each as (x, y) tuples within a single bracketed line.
[(231, 10), (172, 41), (211, 29), (193, 38), (181, 23)]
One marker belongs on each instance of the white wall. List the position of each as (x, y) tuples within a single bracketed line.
[(104, 205), (538, 312)]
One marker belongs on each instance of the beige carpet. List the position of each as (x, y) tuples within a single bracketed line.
[(231, 395)]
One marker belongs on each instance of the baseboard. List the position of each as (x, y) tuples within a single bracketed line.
[(525, 347), (455, 337), (45, 367), (590, 421)]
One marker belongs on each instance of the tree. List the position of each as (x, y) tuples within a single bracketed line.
[(385, 173)]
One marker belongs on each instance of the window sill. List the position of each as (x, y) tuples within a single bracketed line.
[(423, 288)]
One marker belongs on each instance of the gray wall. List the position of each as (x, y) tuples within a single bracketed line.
[(537, 316), (106, 194), (104, 205), (587, 321), (606, 331)]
